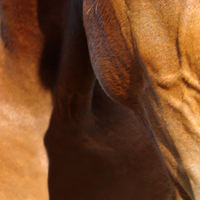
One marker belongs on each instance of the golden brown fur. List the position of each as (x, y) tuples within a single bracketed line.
[(146, 56), (97, 148)]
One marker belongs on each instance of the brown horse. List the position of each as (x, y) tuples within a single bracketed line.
[(97, 148), (145, 55)]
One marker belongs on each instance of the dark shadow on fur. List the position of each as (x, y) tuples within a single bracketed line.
[(51, 17), (107, 156)]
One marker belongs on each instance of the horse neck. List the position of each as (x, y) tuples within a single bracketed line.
[(31, 37), (20, 32)]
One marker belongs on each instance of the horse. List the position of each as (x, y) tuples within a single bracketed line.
[(82, 116)]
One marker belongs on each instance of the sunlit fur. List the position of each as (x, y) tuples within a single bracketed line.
[(146, 56), (133, 135)]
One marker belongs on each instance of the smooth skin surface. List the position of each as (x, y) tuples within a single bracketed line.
[(25, 105)]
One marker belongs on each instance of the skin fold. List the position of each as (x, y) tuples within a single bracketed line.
[(145, 55), (99, 100)]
